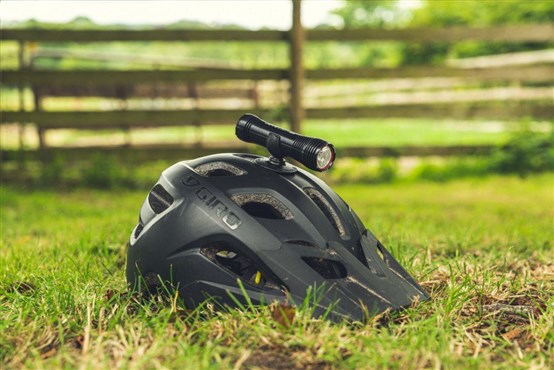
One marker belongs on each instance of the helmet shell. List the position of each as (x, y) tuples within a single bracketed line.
[(215, 221)]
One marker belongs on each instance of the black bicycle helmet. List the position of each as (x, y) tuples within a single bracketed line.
[(215, 223)]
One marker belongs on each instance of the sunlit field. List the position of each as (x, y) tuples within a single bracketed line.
[(346, 133), (482, 248)]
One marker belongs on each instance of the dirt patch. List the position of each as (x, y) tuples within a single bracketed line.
[(283, 314), (499, 315), (22, 287), (280, 358)]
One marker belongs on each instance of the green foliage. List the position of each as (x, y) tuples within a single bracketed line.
[(387, 170), (51, 173), (8, 56), (374, 13), (446, 13), (450, 169), (480, 13), (525, 153), (101, 172), (476, 13), (363, 14), (353, 170), (85, 23)]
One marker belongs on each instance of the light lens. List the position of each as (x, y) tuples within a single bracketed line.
[(325, 158)]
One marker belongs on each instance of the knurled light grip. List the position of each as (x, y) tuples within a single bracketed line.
[(314, 153)]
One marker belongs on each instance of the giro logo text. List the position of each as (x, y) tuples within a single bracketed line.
[(213, 203)]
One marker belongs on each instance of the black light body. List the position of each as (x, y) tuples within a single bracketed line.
[(316, 154), (215, 221)]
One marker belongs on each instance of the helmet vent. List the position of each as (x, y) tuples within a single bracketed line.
[(381, 254), (326, 208), (303, 243), (263, 206), (262, 210), (227, 257), (217, 169), (159, 199), (328, 269), (138, 230)]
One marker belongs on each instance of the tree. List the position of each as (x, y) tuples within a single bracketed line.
[(476, 13), (374, 14), (371, 13)]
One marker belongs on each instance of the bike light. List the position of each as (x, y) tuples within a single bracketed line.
[(316, 154), (325, 158)]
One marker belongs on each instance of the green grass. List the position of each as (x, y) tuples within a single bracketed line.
[(362, 132), (481, 247), (399, 132)]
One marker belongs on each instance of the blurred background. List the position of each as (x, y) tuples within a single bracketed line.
[(442, 114), (404, 89)]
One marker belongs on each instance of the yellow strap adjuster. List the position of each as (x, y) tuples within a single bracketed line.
[(258, 277)]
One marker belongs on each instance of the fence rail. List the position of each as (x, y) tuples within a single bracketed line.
[(513, 33), (167, 118), (110, 77)]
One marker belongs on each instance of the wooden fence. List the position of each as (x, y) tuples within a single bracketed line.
[(128, 83)]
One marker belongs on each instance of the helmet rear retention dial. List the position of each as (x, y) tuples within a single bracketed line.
[(316, 154)]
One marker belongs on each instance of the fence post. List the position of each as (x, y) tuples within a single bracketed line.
[(296, 68), (193, 93), (21, 96)]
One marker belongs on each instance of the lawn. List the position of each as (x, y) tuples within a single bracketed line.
[(345, 133), (483, 248)]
